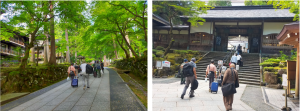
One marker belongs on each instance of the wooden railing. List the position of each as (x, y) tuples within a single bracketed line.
[(10, 52), (16, 41)]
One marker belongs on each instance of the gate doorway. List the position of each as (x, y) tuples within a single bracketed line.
[(236, 40), (226, 37)]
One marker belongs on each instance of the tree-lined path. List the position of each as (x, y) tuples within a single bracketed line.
[(105, 94)]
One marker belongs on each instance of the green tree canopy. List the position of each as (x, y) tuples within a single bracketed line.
[(219, 3)]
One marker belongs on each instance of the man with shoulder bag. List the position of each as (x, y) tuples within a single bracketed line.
[(229, 85), (189, 71)]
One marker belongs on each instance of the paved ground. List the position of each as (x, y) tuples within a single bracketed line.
[(98, 97), (166, 96), (275, 98), (121, 98), (254, 98)]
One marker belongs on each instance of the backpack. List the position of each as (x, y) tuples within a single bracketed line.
[(223, 69), (188, 70), (89, 69), (78, 68), (71, 72), (98, 66)]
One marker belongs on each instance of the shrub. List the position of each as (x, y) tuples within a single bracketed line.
[(268, 64), (272, 60), (283, 57), (160, 48), (160, 53), (153, 55), (154, 51), (137, 66), (294, 55)]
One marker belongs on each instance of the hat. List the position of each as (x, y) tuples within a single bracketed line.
[(193, 59), (185, 60)]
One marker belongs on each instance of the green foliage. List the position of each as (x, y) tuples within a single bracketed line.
[(32, 78), (293, 55), (273, 60), (160, 48), (171, 10), (283, 57), (219, 3), (137, 67), (254, 3), (160, 53), (268, 64), (153, 55)]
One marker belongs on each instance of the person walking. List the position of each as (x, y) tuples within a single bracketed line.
[(239, 49), (234, 59), (239, 59), (211, 72), (84, 74), (98, 69), (181, 71), (228, 100), (72, 72), (222, 71), (102, 67), (190, 76)]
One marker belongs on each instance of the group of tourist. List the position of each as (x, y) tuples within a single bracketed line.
[(84, 70), (227, 75)]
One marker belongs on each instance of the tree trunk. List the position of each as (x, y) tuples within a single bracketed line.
[(116, 53), (45, 50), (128, 45), (37, 56), (32, 58), (52, 56), (171, 41), (104, 60), (121, 45), (68, 52), (27, 49), (127, 39)]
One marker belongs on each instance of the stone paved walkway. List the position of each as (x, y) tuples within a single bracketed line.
[(253, 97), (166, 97), (65, 98), (275, 98)]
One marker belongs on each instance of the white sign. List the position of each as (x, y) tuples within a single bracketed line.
[(284, 80), (220, 62), (166, 64), (158, 64)]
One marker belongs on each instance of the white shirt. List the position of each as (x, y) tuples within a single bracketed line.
[(238, 57), (233, 59), (83, 67)]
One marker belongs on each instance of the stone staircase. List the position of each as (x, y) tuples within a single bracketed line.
[(205, 61), (248, 74)]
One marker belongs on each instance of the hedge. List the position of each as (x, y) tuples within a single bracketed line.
[(137, 66), (268, 64), (31, 78)]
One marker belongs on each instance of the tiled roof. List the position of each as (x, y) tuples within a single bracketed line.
[(159, 19), (252, 13)]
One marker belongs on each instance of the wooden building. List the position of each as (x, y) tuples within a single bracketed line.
[(254, 27), (290, 35)]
